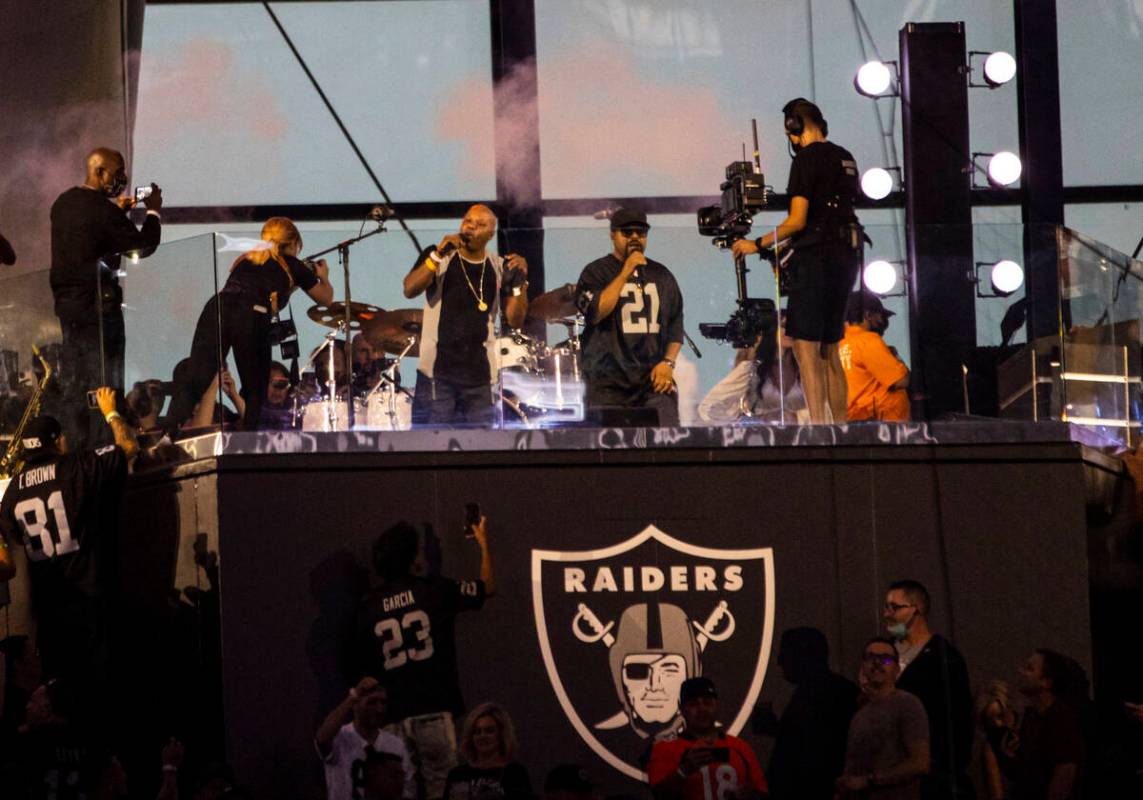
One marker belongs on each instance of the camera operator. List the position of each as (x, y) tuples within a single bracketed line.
[(634, 312), (259, 285), (90, 229), (825, 238)]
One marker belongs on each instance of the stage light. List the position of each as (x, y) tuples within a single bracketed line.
[(873, 79), (1007, 277), (1004, 168), (999, 68), (877, 183), (879, 277)]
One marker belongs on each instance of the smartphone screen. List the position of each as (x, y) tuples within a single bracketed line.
[(142, 192), (92, 401), (471, 518)]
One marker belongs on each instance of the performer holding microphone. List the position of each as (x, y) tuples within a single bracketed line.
[(259, 285), (825, 237), (634, 312), (463, 284)]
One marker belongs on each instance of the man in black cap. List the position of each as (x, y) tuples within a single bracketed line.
[(634, 312), (62, 507), (704, 762), (876, 378)]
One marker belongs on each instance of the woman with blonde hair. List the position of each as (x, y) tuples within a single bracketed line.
[(488, 743), (238, 318)]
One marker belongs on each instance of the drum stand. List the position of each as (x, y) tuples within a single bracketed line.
[(331, 383), (389, 376)]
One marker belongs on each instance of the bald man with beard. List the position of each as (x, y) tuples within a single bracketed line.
[(463, 285), (90, 230)]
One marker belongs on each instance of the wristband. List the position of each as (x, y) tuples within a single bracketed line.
[(669, 361), (431, 263), (112, 416), (758, 244)]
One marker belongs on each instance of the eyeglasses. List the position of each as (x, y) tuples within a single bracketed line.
[(884, 659), (895, 607), (632, 233), (280, 384)]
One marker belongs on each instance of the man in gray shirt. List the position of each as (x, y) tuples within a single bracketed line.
[(888, 747)]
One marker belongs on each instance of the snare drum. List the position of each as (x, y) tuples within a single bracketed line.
[(389, 410)]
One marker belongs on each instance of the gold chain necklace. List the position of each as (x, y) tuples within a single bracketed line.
[(480, 304)]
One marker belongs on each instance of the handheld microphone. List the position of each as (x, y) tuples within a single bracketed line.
[(448, 248)]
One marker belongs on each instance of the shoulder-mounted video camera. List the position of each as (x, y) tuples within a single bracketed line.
[(744, 193)]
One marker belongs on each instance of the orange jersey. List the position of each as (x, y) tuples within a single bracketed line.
[(870, 369), (714, 781)]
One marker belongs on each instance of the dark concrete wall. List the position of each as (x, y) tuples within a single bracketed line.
[(997, 533)]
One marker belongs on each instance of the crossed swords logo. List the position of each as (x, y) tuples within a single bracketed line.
[(588, 628)]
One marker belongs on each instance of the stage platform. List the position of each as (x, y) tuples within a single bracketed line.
[(736, 534)]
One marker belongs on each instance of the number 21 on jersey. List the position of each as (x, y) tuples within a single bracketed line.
[(639, 315), (38, 522)]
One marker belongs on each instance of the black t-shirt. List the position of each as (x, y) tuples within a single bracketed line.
[(63, 510), (405, 639), (509, 782), (53, 759), (463, 329), (826, 175), (88, 227), (621, 349), (256, 282)]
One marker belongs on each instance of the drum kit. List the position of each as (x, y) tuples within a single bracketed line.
[(540, 384)]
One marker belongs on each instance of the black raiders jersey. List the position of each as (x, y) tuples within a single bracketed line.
[(405, 635), (621, 350), (62, 510)]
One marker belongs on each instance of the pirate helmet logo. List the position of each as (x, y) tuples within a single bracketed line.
[(646, 617)]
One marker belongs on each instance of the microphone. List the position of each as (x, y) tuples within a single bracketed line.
[(381, 213), (448, 248)]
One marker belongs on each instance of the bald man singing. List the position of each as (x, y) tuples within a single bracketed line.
[(90, 230), (463, 284)]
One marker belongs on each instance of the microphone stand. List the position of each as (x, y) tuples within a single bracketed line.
[(342, 249)]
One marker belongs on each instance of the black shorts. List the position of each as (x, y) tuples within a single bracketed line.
[(821, 279)]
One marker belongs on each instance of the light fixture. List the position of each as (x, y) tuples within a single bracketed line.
[(999, 68), (874, 79), (880, 276), (1004, 276), (1003, 168), (877, 182)]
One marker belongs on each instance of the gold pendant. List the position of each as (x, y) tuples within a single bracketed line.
[(483, 306)]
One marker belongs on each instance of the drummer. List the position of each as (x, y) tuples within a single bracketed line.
[(463, 284)]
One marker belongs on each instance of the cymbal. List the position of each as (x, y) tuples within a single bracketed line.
[(554, 304), (390, 330), (332, 315)]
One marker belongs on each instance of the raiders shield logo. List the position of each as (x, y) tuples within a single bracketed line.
[(620, 629)]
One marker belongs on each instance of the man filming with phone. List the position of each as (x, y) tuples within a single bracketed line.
[(90, 231), (405, 639), (704, 762)]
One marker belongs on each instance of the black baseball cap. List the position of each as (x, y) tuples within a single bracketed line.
[(623, 218), (40, 434), (861, 302), (694, 688)]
